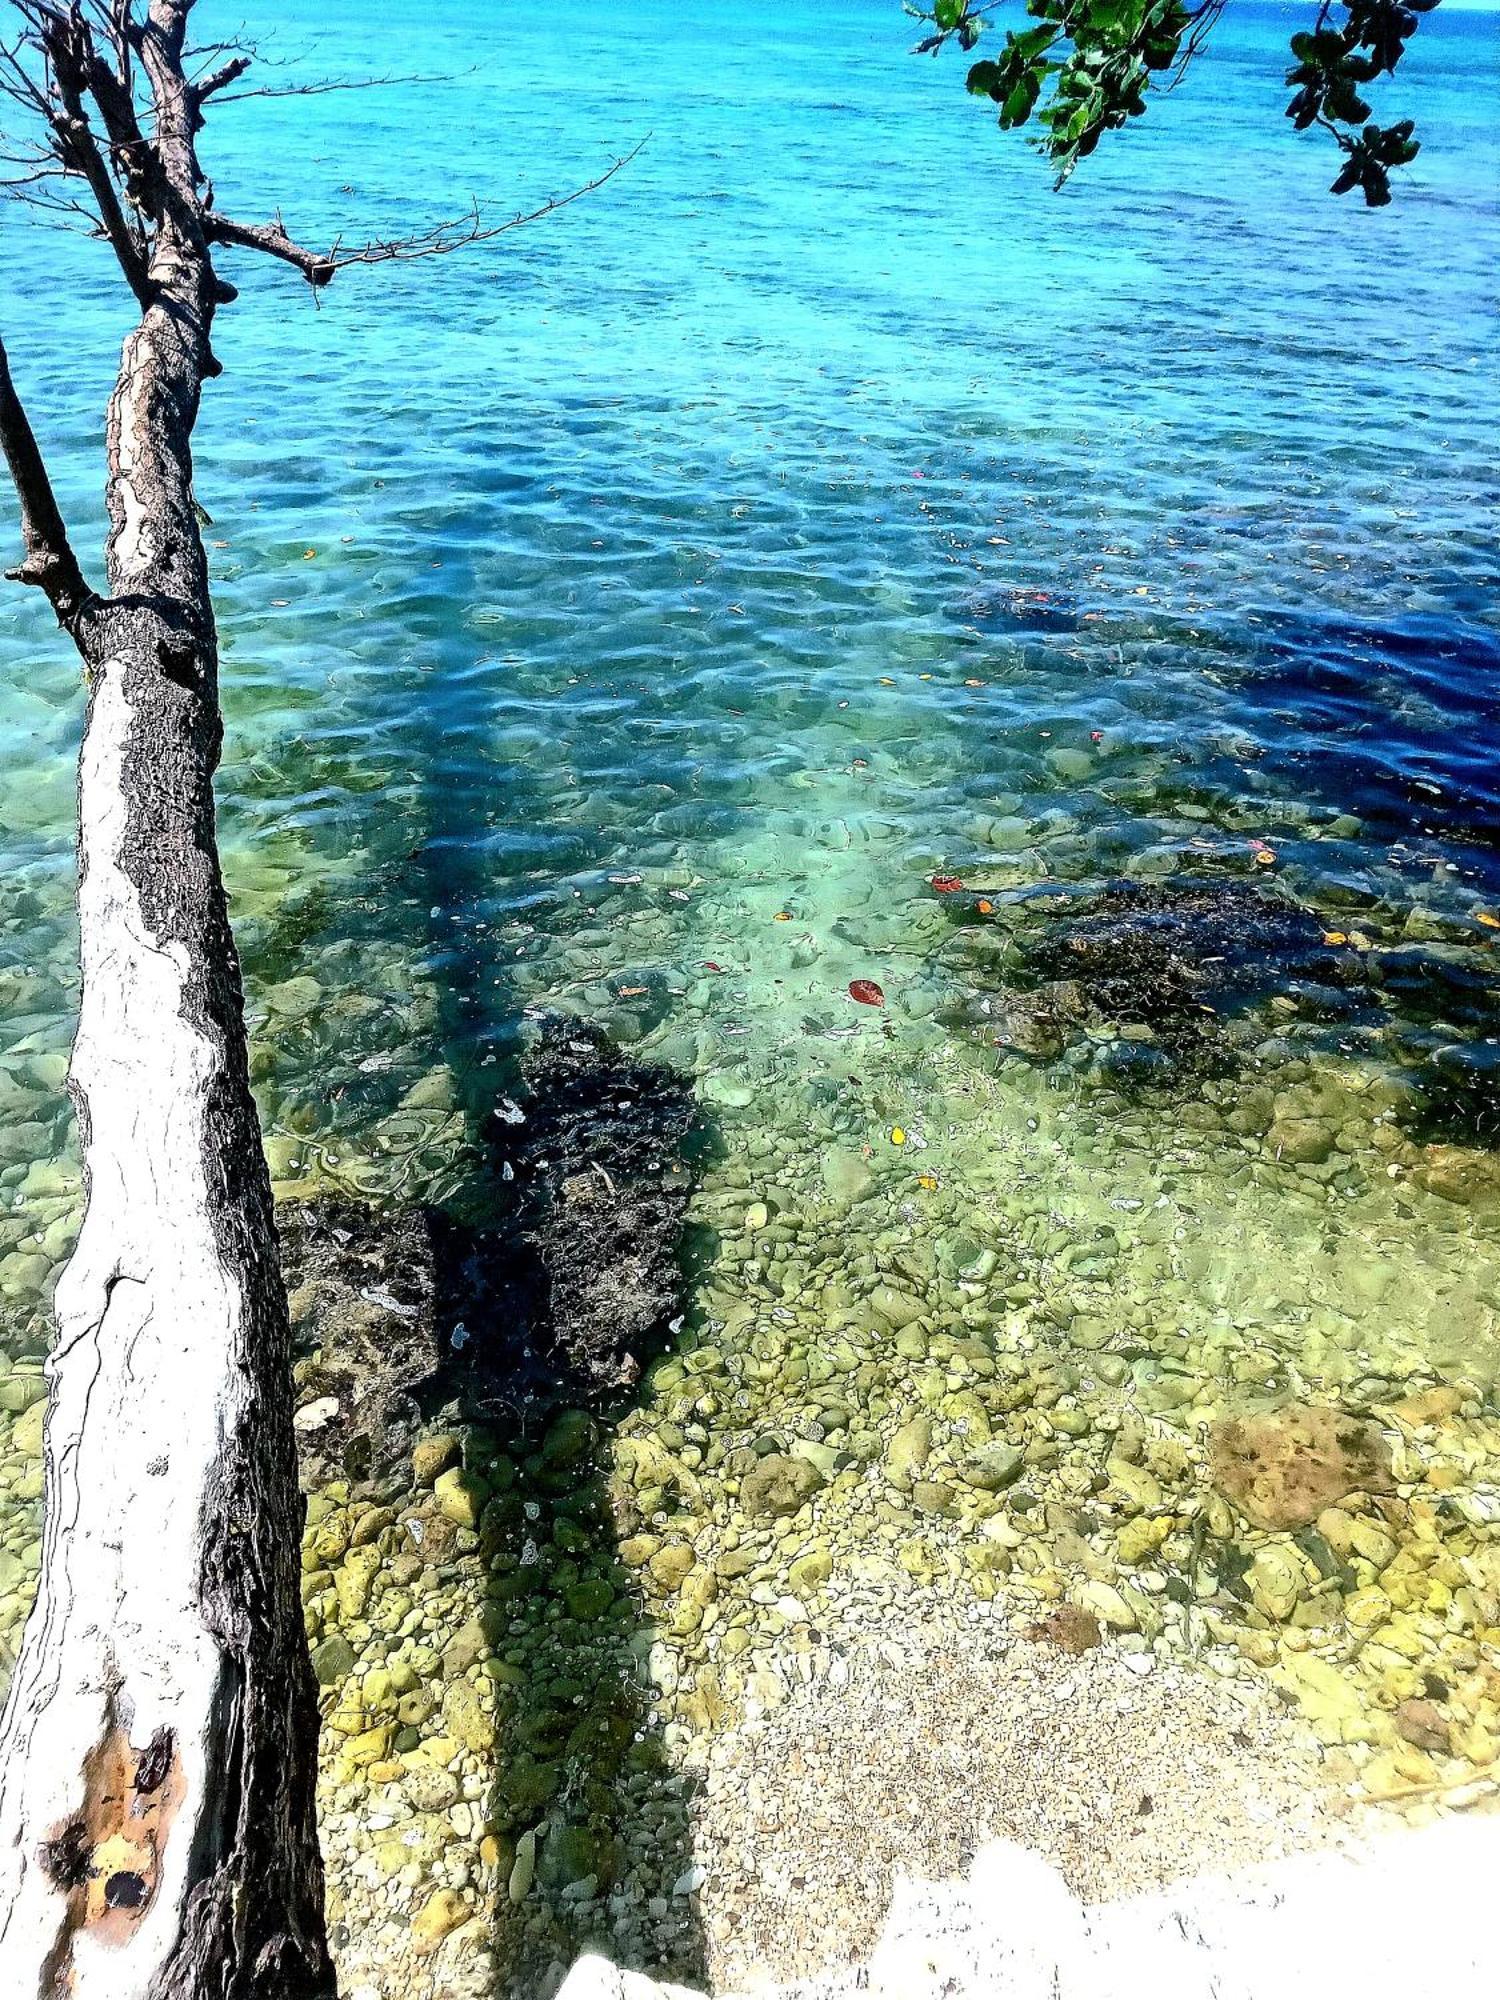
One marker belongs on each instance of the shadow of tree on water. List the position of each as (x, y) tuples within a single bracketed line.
[(479, 1376)]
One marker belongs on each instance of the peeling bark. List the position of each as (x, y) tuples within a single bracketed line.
[(159, 1745), (158, 1748)]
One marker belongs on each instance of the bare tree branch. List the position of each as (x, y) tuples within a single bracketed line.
[(79, 149), (319, 268), (49, 562), (322, 89), (219, 79)]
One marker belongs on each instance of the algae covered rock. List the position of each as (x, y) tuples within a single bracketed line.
[(585, 1274), (779, 1485), (995, 1468), (333, 1660), (1283, 1467)]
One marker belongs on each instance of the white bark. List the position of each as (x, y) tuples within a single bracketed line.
[(158, 1749), (146, 1377)]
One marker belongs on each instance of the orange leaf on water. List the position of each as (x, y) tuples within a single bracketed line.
[(866, 992), (946, 884)]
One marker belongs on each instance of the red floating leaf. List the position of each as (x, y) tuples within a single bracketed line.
[(866, 992), (946, 884)]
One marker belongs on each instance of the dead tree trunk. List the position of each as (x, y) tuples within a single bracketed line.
[(159, 1745), (158, 1748)]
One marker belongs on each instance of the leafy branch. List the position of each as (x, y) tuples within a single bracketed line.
[(1088, 67)]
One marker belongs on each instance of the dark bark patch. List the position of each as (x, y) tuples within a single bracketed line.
[(64, 1860), (156, 1761), (125, 1890)]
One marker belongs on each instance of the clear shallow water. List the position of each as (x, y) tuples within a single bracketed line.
[(658, 600)]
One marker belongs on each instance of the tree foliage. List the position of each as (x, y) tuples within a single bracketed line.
[(1088, 67)]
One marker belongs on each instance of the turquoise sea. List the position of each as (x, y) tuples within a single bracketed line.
[(634, 615)]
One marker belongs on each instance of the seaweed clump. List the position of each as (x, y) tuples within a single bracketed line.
[(559, 1301), (363, 1287), (584, 1272), (1175, 958)]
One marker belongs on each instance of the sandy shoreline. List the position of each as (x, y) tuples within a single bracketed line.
[(914, 1748)]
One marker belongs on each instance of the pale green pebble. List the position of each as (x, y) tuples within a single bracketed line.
[(898, 1308), (700, 1590), (523, 1868), (26, 1431), (354, 1580), (993, 1469), (1107, 1605), (377, 1689), (294, 999), (285, 1156), (19, 1391), (1071, 1422), (810, 1571), (823, 1456), (968, 1415), (670, 1566), (333, 1661), (1276, 1579), (435, 1455), (733, 1096), (464, 1714), (23, 1276), (330, 1540), (1071, 765), (460, 1496), (909, 1450), (1139, 1489), (433, 1092)]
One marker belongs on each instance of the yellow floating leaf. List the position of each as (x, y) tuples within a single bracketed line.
[(898, 1137), (1335, 937), (1490, 923), (783, 916), (928, 1181)]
